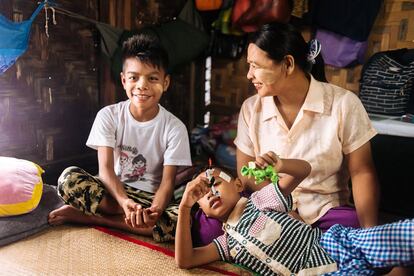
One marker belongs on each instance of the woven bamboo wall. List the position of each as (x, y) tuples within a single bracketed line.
[(393, 29), (49, 98), (229, 85), (184, 97)]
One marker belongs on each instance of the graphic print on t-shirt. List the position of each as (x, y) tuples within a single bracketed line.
[(133, 164)]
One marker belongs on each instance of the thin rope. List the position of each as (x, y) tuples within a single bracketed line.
[(47, 18)]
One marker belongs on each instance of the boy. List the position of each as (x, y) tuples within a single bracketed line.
[(260, 235), (140, 145)]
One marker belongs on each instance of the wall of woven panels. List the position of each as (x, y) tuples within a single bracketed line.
[(185, 94), (49, 98), (393, 29)]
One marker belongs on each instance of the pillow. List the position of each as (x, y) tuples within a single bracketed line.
[(18, 227), (20, 186), (205, 229)]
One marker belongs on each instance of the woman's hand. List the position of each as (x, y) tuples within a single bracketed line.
[(194, 191), (269, 159)]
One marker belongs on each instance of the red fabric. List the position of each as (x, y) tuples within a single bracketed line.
[(208, 5), (250, 15), (163, 250)]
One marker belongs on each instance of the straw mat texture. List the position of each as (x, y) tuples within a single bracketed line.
[(68, 250)]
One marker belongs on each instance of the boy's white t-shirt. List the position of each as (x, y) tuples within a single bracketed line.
[(141, 149)]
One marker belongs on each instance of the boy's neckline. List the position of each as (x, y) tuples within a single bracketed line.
[(237, 212), (146, 122)]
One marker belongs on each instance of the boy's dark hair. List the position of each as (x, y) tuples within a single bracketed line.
[(147, 48)]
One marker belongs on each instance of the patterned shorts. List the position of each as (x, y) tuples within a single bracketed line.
[(84, 192)]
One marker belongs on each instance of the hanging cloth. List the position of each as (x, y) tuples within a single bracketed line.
[(110, 35), (14, 39)]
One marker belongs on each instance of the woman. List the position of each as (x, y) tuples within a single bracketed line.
[(297, 116)]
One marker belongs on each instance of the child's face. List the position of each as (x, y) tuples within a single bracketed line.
[(144, 84), (221, 206)]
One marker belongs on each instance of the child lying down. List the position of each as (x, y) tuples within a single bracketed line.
[(260, 235)]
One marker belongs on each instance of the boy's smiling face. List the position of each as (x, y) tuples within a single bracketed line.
[(144, 85), (221, 206)]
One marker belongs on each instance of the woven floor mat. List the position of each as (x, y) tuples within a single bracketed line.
[(69, 250)]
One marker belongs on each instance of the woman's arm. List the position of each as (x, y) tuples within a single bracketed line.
[(365, 186)]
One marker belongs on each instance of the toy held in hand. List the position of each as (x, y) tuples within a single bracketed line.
[(260, 175), (211, 179)]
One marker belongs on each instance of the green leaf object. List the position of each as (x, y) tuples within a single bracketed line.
[(260, 175)]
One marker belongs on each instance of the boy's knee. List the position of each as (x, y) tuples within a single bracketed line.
[(68, 180), (67, 173)]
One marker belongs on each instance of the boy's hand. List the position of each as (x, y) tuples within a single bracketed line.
[(151, 216), (194, 191), (136, 216), (269, 159), (129, 206)]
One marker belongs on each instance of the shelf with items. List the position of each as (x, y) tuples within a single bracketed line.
[(392, 125)]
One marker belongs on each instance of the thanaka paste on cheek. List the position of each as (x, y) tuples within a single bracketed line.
[(158, 88), (265, 76)]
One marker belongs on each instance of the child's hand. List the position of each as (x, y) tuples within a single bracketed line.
[(269, 159), (130, 207), (142, 217), (151, 215), (138, 217), (194, 191)]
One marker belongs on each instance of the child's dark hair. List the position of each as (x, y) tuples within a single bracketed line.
[(147, 48)]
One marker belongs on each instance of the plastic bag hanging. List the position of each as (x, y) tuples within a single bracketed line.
[(14, 39)]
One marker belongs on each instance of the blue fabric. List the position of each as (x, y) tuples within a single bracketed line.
[(14, 39), (362, 251)]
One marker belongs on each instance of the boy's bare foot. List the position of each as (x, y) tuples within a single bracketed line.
[(64, 214), (67, 213)]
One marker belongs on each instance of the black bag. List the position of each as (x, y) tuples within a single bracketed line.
[(225, 41), (387, 82), (227, 45)]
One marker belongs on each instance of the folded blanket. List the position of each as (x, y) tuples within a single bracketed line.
[(18, 227)]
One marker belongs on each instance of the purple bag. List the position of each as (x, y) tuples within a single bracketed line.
[(340, 51)]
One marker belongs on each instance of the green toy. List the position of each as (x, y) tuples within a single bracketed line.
[(260, 175)]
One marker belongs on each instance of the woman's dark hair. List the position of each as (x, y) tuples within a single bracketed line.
[(280, 39), (147, 48)]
